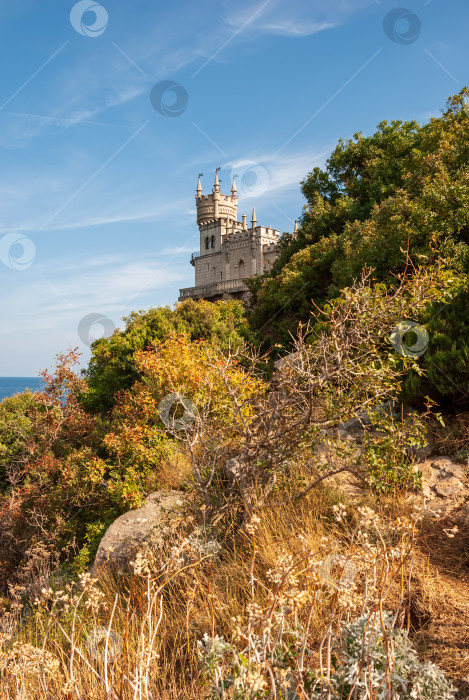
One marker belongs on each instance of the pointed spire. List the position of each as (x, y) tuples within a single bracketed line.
[(199, 188), (216, 184), (234, 191), (253, 220), (295, 230)]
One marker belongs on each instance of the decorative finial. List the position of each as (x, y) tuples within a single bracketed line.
[(295, 230), (253, 220)]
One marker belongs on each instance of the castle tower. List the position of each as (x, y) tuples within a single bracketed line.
[(229, 251), (216, 206)]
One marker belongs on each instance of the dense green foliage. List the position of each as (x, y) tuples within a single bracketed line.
[(392, 201), (15, 429), (112, 367)]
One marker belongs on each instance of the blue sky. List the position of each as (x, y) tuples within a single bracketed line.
[(97, 212)]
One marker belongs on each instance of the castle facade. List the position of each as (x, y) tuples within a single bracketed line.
[(229, 251)]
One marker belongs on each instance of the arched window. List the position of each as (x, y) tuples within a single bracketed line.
[(207, 243), (213, 241), (241, 269)]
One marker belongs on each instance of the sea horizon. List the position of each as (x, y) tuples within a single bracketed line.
[(11, 385)]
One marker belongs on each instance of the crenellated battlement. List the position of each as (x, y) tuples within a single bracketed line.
[(207, 197)]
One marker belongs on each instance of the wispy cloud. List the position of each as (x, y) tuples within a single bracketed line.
[(58, 295), (62, 122), (274, 174), (64, 290), (296, 18), (29, 126), (296, 29), (97, 213)]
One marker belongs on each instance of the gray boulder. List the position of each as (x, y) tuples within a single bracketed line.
[(444, 484), (136, 529)]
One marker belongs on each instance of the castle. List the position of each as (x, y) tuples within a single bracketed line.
[(229, 250)]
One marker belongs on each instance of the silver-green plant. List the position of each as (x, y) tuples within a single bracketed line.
[(371, 661), (376, 659), (274, 652)]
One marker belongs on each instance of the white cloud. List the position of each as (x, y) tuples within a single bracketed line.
[(29, 126), (296, 29), (297, 18), (146, 210), (266, 175), (65, 290)]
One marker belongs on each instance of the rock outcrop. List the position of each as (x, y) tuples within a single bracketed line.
[(136, 529), (445, 492), (445, 488)]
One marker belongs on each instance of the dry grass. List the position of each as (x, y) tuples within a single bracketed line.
[(162, 611), (453, 437), (440, 605)]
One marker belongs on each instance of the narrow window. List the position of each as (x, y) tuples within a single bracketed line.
[(207, 243), (241, 269), (213, 241)]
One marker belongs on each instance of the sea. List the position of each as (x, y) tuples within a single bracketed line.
[(9, 386)]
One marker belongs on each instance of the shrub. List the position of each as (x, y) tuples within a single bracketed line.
[(393, 201), (112, 367), (377, 660)]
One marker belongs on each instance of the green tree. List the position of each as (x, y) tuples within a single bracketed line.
[(16, 429), (112, 367), (392, 202)]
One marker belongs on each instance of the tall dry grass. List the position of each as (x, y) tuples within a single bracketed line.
[(279, 592)]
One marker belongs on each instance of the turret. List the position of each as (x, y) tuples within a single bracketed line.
[(216, 196), (216, 206)]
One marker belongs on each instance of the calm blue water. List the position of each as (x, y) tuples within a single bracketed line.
[(13, 385)]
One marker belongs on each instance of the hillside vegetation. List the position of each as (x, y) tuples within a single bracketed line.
[(393, 201), (279, 578)]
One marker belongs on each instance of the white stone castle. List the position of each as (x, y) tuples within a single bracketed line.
[(229, 252)]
